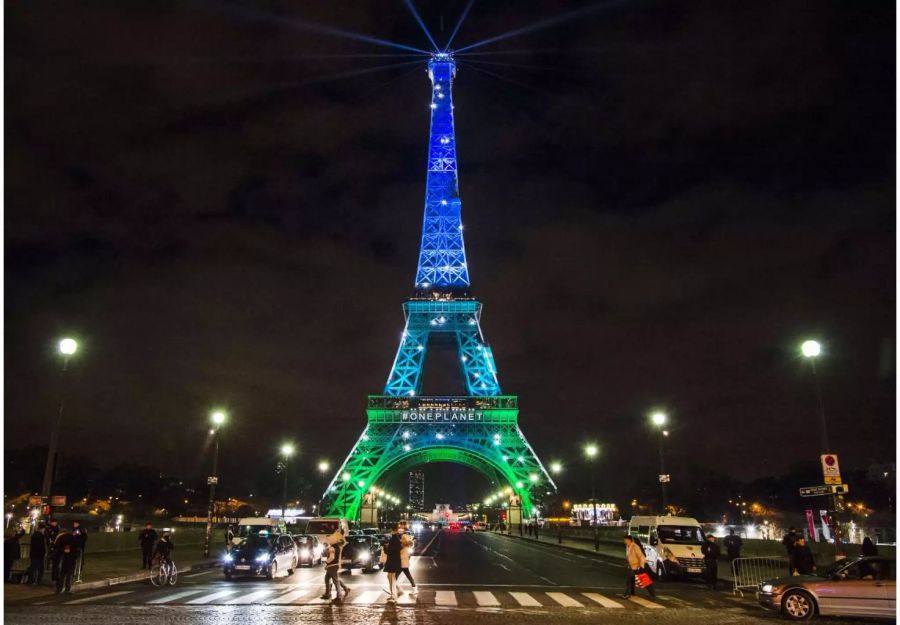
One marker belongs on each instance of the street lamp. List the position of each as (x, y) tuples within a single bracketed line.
[(217, 418), (811, 350), (287, 450), (324, 465), (591, 451), (659, 419), (67, 348), (555, 467)]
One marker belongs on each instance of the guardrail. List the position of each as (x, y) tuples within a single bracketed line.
[(750, 572)]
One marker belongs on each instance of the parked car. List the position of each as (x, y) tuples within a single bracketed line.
[(263, 554), (852, 587), (361, 552), (309, 550)]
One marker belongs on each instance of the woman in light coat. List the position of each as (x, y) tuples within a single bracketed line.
[(407, 543)]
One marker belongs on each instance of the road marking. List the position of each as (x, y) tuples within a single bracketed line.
[(604, 601), (676, 601), (647, 604), (548, 580), (290, 597), (407, 598), (425, 550), (251, 597), (202, 573), (212, 597), (370, 596), (525, 600), (485, 599), (173, 597), (97, 597), (445, 597), (503, 566), (564, 600)]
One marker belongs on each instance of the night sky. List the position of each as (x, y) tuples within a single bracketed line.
[(661, 199)]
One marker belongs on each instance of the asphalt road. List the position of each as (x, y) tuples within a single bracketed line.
[(471, 578)]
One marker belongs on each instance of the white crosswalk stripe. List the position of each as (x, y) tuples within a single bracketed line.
[(565, 600), (604, 601), (445, 597), (250, 597), (645, 603), (485, 599), (100, 597), (290, 597), (175, 596), (369, 597), (525, 600), (210, 597)]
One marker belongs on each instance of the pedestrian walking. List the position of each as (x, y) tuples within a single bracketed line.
[(710, 551), (635, 561), (868, 547), (802, 561), (537, 531), (407, 543), (392, 564), (67, 547), (11, 552), (37, 552), (334, 547), (788, 541), (147, 538), (733, 544), (80, 536)]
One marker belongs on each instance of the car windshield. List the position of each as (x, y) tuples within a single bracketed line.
[(303, 540), (360, 539), (256, 542), (322, 527), (250, 530), (679, 535)]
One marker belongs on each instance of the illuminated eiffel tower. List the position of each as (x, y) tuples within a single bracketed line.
[(405, 429)]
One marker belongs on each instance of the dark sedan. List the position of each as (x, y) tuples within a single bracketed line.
[(361, 552), (261, 555)]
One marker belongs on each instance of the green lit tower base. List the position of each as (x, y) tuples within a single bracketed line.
[(405, 429)]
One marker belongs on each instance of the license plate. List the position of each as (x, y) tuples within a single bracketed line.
[(242, 567), (694, 570)]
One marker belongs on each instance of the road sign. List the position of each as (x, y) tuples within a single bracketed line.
[(212, 479), (830, 466), (664, 478), (58, 500), (840, 489), (815, 491), (833, 480)]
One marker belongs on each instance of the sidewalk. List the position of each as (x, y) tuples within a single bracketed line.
[(109, 568), (608, 550)]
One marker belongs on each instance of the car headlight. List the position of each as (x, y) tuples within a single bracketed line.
[(304, 553), (263, 557), (228, 557), (365, 557), (767, 588)]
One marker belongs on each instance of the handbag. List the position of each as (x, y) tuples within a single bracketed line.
[(642, 580)]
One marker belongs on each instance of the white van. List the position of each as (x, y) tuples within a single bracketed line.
[(671, 544), (324, 526), (253, 525)]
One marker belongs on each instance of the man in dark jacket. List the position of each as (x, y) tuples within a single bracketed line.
[(52, 533), (147, 538), (67, 548), (788, 541), (733, 545), (11, 552), (80, 535), (710, 551), (802, 562), (36, 553)]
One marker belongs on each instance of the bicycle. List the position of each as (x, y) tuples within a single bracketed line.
[(163, 572)]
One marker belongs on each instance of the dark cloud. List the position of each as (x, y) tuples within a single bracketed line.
[(660, 201)]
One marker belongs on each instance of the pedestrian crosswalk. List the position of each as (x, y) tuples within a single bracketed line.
[(373, 595)]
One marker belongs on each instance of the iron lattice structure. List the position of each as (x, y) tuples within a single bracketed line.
[(406, 429)]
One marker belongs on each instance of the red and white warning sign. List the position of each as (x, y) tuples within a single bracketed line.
[(830, 467)]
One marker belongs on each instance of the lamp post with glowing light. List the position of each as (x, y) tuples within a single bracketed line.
[(659, 419), (217, 418), (811, 350), (591, 452), (287, 450), (324, 465), (67, 348)]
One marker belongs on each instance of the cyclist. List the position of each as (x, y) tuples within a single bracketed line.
[(164, 549)]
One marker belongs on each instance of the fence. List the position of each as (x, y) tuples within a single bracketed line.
[(750, 572)]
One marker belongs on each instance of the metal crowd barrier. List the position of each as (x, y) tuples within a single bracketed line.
[(750, 572)]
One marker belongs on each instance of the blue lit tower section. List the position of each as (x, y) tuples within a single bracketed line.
[(442, 255)]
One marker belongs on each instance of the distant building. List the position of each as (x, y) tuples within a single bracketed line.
[(417, 490)]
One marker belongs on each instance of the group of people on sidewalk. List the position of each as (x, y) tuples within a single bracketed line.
[(395, 558), (636, 564), (51, 546)]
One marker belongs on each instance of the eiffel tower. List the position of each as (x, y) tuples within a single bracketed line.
[(406, 429)]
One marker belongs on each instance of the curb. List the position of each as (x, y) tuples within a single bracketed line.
[(137, 577)]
